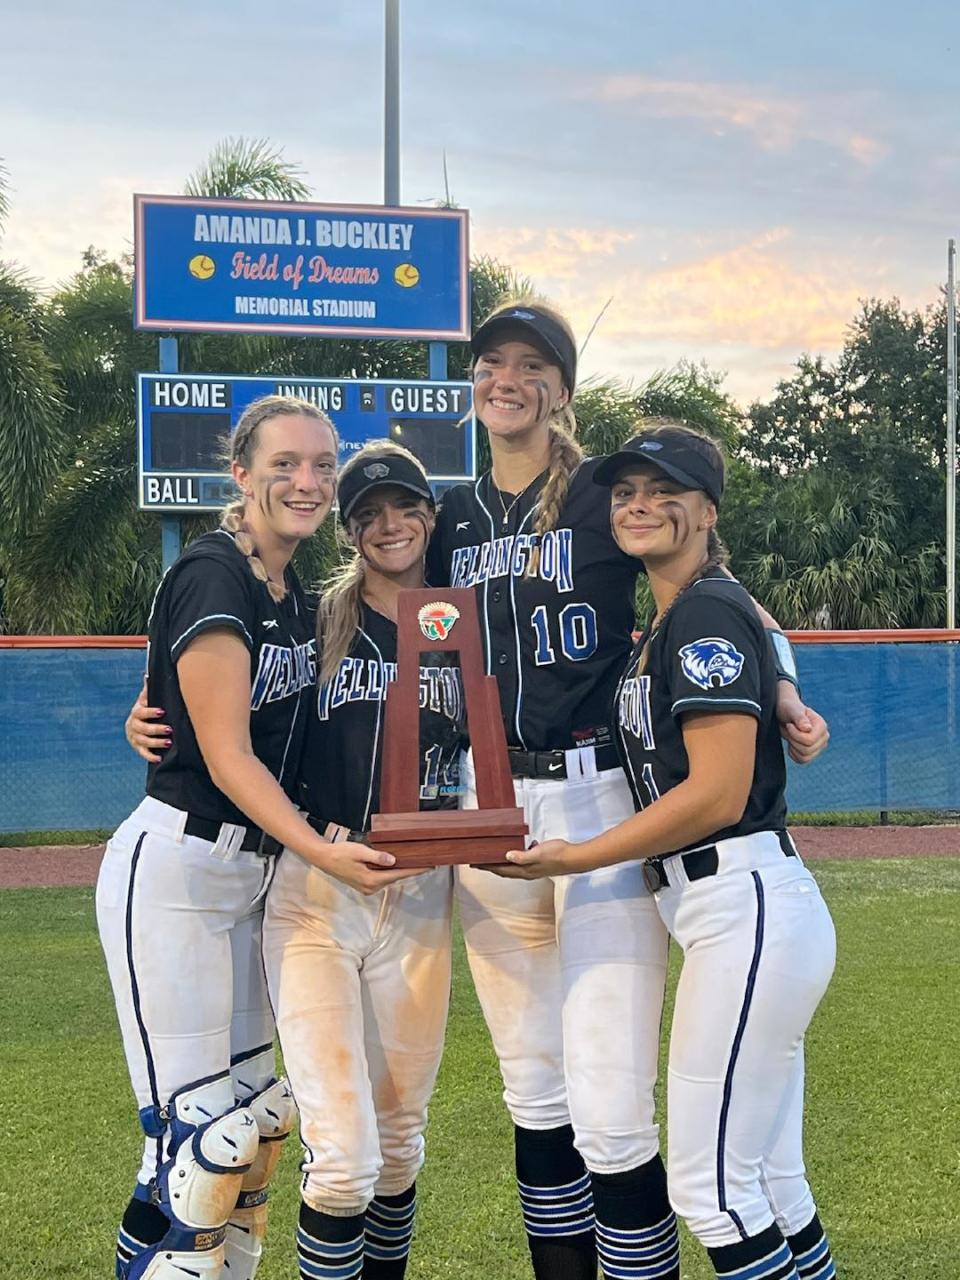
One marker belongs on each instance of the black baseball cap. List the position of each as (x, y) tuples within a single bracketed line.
[(676, 454), (545, 333), (376, 470)]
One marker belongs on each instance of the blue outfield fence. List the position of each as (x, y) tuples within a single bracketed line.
[(892, 707), (64, 761)]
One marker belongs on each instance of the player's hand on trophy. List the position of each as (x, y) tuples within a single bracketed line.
[(805, 731), (551, 858), (357, 865), (144, 733)]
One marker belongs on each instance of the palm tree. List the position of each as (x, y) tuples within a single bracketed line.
[(828, 552), (31, 413)]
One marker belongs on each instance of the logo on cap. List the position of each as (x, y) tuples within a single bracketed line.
[(437, 619), (651, 444), (523, 315), (376, 471)]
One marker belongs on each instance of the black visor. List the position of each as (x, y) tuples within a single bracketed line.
[(376, 471), (672, 453), (545, 334)]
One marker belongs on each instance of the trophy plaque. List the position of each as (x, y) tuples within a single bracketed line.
[(428, 621)]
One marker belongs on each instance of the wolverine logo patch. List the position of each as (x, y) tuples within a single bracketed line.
[(711, 663)]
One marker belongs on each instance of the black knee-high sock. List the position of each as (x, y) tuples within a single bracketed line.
[(765, 1256), (324, 1241), (143, 1224), (557, 1204), (636, 1228), (387, 1232), (811, 1252)]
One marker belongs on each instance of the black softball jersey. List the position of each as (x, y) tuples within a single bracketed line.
[(211, 586), (709, 655), (556, 641)]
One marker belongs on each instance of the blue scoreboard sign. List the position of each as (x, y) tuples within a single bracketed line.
[(185, 421), (267, 266)]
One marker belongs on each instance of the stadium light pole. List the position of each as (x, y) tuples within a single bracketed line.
[(436, 351), (391, 102), (951, 436)]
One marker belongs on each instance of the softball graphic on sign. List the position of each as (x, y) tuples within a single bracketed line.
[(406, 275), (201, 267)]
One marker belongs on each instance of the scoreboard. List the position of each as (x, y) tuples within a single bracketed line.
[(185, 421)]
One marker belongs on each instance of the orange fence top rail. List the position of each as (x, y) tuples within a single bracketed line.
[(933, 635), (73, 642), (904, 636)]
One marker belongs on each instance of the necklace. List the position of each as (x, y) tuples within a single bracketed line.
[(506, 510)]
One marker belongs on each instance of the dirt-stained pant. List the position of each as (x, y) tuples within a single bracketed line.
[(360, 987), (570, 974)]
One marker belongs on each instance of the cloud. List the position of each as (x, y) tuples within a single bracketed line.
[(549, 253), (775, 122), (765, 293)]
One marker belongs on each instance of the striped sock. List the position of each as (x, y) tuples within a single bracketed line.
[(387, 1234), (143, 1225), (763, 1257), (329, 1248), (636, 1228), (811, 1252), (557, 1204)]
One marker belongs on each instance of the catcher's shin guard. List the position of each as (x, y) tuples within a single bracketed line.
[(275, 1113), (212, 1145)]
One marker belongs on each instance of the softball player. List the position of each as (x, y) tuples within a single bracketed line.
[(179, 897), (555, 595), (697, 731), (360, 985)]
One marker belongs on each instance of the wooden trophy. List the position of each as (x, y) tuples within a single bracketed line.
[(436, 620)]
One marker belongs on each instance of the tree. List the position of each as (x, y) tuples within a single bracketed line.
[(875, 414), (31, 411), (827, 554)]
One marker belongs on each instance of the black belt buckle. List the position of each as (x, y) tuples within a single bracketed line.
[(654, 876), (537, 764)]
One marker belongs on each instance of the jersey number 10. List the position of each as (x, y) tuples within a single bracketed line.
[(578, 633)]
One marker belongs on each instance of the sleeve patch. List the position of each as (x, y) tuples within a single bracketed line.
[(711, 663)]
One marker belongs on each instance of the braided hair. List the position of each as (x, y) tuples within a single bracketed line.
[(241, 448), (565, 451)]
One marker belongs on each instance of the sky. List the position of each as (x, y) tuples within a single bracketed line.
[(732, 175)]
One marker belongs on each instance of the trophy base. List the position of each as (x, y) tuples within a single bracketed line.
[(446, 838)]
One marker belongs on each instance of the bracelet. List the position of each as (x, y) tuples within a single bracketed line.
[(783, 658)]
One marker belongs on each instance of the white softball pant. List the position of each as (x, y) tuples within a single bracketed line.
[(180, 921), (570, 974), (758, 952), (361, 987)]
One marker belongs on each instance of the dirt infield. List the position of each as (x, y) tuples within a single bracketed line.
[(51, 866)]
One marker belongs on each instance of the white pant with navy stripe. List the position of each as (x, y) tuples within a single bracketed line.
[(180, 924), (570, 974), (759, 949)]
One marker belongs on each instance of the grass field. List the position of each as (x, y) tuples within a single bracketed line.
[(883, 1128)]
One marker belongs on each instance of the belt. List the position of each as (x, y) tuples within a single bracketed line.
[(698, 864), (209, 829), (321, 825), (553, 764)]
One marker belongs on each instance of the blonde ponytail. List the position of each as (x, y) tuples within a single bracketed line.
[(241, 448), (565, 452)]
